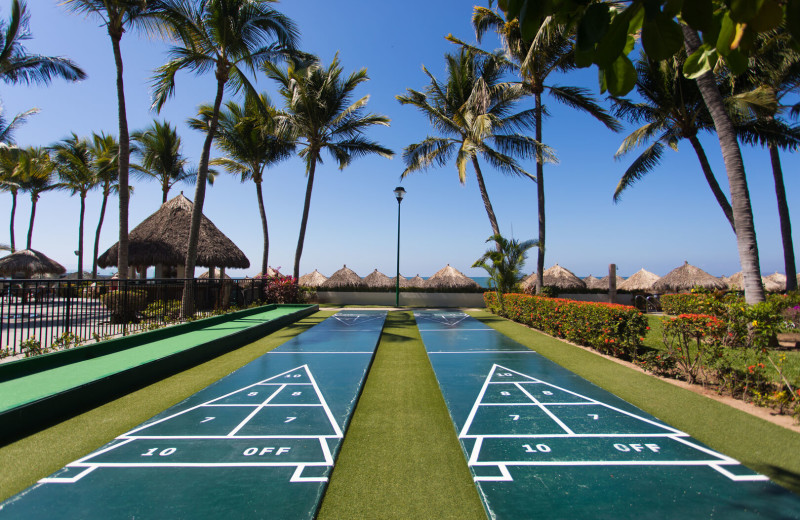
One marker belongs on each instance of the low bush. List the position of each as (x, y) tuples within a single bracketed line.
[(280, 289), (613, 329), (125, 305)]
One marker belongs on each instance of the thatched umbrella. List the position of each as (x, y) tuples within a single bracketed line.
[(417, 281), (314, 279), (451, 278), (377, 279), (562, 279), (775, 282), (735, 282), (163, 238), (216, 272), (604, 281), (403, 281), (641, 281), (594, 283), (529, 281), (29, 262), (343, 278), (685, 277)]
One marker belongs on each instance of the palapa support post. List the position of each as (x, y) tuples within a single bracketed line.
[(612, 283)]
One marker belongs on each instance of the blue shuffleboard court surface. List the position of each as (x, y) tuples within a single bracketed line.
[(542, 442), (259, 443)]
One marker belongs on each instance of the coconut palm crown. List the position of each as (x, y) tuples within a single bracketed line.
[(230, 38), (473, 111), (322, 115), (17, 66)]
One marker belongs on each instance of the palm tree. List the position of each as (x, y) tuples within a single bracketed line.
[(775, 71), (230, 37), (534, 61), (323, 116), (10, 180), (472, 111), (504, 264), (105, 163), (17, 66), (119, 16), (74, 163), (671, 109), (252, 140), (36, 174), (734, 166), (159, 151)]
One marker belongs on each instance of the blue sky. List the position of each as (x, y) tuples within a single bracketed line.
[(668, 218)]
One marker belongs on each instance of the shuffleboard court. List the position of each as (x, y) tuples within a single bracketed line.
[(542, 442), (259, 443)]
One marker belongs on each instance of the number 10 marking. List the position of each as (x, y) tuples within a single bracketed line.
[(540, 448)]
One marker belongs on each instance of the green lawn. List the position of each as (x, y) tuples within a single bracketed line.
[(401, 457)]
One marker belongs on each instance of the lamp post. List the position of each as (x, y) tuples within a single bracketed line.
[(399, 192)]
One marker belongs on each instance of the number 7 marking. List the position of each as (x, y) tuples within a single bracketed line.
[(594, 416), (207, 419), (290, 419), (514, 417)]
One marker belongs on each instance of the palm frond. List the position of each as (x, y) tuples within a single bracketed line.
[(580, 99), (643, 165)]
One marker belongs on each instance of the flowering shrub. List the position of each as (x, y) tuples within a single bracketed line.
[(280, 289), (614, 329), (692, 340)]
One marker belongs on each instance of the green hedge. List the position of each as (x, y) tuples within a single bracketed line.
[(613, 329)]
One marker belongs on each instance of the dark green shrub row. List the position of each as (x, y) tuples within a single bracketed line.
[(618, 330)]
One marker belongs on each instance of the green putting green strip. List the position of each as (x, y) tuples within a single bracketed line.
[(20, 391)]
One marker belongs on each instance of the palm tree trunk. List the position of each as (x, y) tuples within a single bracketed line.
[(164, 191), (485, 196), (312, 166), (265, 255), (539, 193), (34, 200), (722, 200), (106, 189), (740, 196), (80, 237), (199, 199), (11, 225), (786, 223), (124, 161)]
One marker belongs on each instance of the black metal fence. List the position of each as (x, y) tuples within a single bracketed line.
[(41, 315)]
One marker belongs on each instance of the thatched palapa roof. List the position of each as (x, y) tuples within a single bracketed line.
[(314, 279), (529, 281), (562, 278), (685, 277), (604, 282), (594, 283), (29, 262), (163, 238), (216, 273), (378, 279), (343, 278), (641, 281), (775, 282), (451, 278), (417, 281), (403, 281)]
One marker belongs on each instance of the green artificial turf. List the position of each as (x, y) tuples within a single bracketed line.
[(24, 462), (759, 444), (23, 390), (401, 457)]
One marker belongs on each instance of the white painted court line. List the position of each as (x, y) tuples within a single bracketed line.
[(316, 352), (70, 480), (545, 410), (254, 412)]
